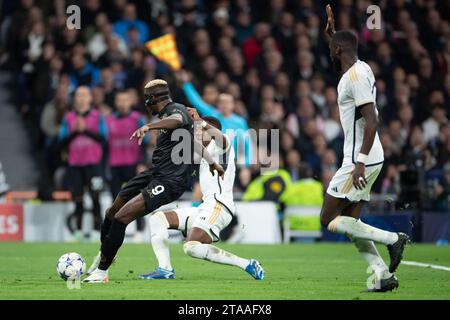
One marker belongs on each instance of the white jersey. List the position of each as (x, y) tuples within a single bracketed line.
[(212, 186), (356, 88)]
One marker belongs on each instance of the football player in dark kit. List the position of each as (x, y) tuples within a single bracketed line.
[(163, 183)]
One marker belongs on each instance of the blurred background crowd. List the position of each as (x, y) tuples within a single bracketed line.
[(253, 64)]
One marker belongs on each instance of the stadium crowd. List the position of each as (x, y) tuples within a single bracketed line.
[(257, 64)]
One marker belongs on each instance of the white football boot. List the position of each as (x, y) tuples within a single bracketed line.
[(97, 276)]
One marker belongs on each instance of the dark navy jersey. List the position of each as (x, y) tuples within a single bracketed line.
[(180, 141)]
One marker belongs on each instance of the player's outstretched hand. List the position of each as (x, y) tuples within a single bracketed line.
[(182, 76), (140, 134), (194, 114), (217, 167), (359, 179), (329, 29)]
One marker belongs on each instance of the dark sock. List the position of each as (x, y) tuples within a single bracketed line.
[(96, 213), (112, 243), (79, 208), (104, 229), (140, 223)]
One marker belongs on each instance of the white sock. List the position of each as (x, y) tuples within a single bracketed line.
[(160, 239), (370, 253), (357, 229), (211, 253)]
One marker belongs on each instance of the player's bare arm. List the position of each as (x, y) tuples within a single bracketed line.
[(221, 142), (330, 28), (368, 113), (201, 150), (168, 123)]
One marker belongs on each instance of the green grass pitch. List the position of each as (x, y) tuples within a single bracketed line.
[(300, 271)]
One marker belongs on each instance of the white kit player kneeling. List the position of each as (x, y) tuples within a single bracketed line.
[(203, 224)]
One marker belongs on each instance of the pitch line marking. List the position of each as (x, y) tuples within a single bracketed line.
[(425, 265)]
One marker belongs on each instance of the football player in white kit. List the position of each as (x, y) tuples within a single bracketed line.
[(202, 224), (350, 187)]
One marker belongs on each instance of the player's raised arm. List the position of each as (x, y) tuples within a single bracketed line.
[(169, 123), (214, 132), (330, 28), (201, 150)]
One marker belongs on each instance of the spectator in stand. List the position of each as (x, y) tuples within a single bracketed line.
[(252, 47), (231, 122), (432, 124), (83, 73), (406, 117), (440, 145), (84, 132), (98, 44), (243, 26), (293, 160), (415, 149), (131, 22), (442, 190), (50, 123), (124, 155)]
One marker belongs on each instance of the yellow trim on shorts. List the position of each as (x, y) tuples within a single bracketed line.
[(216, 213), (348, 184), (372, 175)]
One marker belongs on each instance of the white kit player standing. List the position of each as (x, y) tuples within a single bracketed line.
[(350, 187)]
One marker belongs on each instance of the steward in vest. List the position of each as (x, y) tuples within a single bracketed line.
[(83, 132)]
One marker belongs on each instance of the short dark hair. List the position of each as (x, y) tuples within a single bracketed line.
[(121, 91), (346, 38), (213, 121), (305, 171)]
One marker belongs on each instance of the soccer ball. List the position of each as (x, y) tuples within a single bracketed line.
[(71, 266)]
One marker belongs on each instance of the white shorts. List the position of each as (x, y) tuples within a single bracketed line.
[(211, 217), (341, 185)]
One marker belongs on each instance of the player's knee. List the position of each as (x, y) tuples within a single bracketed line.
[(122, 216), (159, 219), (110, 212), (332, 224), (187, 246), (159, 216), (191, 249)]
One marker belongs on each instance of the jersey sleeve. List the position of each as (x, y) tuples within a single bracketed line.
[(179, 111), (362, 88)]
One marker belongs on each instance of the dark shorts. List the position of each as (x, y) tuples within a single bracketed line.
[(156, 191)]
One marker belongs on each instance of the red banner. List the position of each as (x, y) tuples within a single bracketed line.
[(11, 222)]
